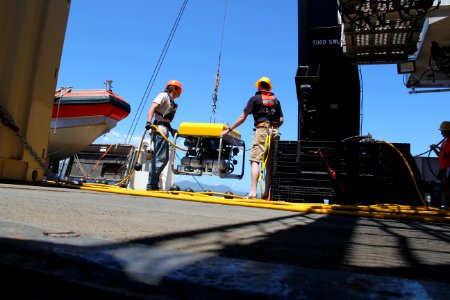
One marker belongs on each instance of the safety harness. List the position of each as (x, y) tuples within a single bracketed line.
[(269, 101), (170, 112)]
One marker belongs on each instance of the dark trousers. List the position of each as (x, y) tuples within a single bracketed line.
[(444, 175), (158, 162)]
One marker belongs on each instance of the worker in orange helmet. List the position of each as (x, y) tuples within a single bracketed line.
[(443, 152), (268, 117), (162, 112)]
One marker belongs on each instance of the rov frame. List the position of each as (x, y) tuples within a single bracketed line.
[(209, 153)]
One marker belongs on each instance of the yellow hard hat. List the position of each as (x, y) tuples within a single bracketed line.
[(264, 79), (445, 125), (176, 83)]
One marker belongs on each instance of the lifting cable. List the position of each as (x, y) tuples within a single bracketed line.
[(154, 75), (216, 86)]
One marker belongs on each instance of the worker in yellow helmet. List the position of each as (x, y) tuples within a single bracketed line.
[(162, 111), (268, 117), (443, 152)]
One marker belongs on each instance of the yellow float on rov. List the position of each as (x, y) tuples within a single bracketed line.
[(208, 153)]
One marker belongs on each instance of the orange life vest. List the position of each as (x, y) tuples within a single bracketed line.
[(268, 98)]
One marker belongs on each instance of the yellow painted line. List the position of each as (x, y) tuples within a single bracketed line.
[(418, 213)]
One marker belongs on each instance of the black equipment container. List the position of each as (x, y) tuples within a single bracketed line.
[(354, 173)]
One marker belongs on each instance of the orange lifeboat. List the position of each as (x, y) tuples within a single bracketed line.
[(80, 116)]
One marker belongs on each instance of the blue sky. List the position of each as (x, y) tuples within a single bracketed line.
[(122, 41)]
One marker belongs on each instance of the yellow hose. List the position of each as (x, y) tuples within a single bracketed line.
[(384, 211), (164, 137), (137, 159), (409, 169), (139, 152), (393, 211)]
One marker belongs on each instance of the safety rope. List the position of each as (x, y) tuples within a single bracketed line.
[(8, 121), (152, 80), (61, 92), (98, 161), (267, 143), (216, 86)]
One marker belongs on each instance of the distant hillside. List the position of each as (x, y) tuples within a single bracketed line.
[(184, 184)]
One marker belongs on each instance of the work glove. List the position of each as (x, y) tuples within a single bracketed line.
[(148, 125), (173, 132)]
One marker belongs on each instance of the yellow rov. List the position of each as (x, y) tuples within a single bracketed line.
[(208, 153)]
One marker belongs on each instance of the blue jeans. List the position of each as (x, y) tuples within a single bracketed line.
[(158, 162)]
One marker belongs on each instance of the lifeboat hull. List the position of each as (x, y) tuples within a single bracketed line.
[(80, 117)]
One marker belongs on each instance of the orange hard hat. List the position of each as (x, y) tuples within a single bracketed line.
[(176, 83)]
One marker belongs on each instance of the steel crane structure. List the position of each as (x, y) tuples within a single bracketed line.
[(332, 159)]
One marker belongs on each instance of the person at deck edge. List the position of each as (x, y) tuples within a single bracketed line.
[(443, 152), (268, 117), (163, 111)]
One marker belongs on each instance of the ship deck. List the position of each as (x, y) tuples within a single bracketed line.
[(64, 240)]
